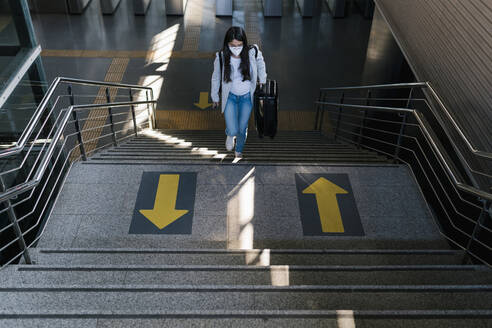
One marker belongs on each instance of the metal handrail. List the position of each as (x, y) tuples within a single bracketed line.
[(428, 85), (356, 129), (47, 115), (45, 102), (460, 185), (70, 151), (457, 128), (378, 86), (53, 143), (381, 108), (23, 187), (13, 224), (478, 224), (393, 133)]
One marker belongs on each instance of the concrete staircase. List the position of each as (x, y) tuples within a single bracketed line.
[(201, 145), (233, 270), (199, 287)]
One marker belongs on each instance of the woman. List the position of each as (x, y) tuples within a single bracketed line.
[(242, 66)]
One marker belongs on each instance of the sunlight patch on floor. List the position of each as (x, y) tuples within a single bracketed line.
[(240, 211), (279, 275), (345, 319)]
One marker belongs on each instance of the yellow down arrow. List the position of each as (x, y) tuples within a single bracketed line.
[(203, 102), (326, 197), (164, 212)]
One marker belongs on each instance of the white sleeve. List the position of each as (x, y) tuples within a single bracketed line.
[(260, 64), (214, 93)]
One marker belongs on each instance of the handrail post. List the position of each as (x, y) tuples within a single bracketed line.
[(154, 113), (410, 96), (403, 125), (400, 134), (133, 114), (150, 115), (15, 225), (108, 99), (476, 229), (77, 125), (339, 115), (363, 122), (316, 118), (322, 113)]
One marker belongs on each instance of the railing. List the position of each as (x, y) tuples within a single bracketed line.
[(409, 123), (60, 133)]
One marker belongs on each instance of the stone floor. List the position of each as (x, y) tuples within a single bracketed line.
[(242, 206), (303, 54)]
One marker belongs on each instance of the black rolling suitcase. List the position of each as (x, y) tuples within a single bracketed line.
[(266, 109)]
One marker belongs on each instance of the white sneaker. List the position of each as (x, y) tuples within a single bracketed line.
[(238, 155), (230, 143)]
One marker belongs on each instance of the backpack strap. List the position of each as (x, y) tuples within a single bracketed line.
[(220, 71), (256, 50)]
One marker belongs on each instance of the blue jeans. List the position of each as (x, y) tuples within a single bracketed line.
[(236, 114)]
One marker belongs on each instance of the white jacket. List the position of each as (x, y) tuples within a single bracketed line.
[(257, 71)]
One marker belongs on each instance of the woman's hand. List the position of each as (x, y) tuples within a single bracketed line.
[(215, 105)]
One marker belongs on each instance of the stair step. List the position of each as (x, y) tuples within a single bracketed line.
[(227, 160), (154, 151), (221, 147), (155, 158), (248, 319), (221, 141), (198, 320), (265, 140), (221, 133), (265, 314), (292, 275), (298, 146), (242, 257), (126, 160), (250, 154), (233, 297)]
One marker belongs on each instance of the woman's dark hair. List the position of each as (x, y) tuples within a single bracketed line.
[(236, 33)]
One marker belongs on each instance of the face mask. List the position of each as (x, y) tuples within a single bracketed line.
[(236, 50)]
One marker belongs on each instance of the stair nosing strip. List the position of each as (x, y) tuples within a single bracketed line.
[(216, 314), (381, 163), (239, 251), (256, 288), (239, 268)]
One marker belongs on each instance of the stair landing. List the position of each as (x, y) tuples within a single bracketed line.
[(238, 206)]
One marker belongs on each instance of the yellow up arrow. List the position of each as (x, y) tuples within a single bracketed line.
[(326, 197), (203, 103), (164, 212)]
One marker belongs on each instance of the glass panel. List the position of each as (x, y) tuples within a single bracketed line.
[(16, 45), (8, 32), (16, 37)]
